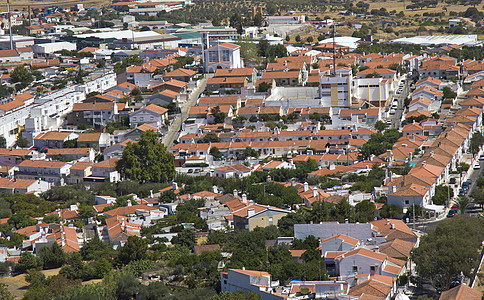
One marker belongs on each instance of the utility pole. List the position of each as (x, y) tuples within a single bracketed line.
[(9, 24), (334, 49)]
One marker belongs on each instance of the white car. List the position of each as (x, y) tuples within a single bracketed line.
[(399, 91), (477, 166), (392, 111)]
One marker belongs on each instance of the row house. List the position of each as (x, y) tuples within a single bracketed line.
[(12, 157), (95, 140), (67, 154), (151, 114), (233, 101), (180, 74), (249, 73), (94, 114), (54, 172), (24, 186), (440, 67), (226, 83), (53, 139), (289, 78)]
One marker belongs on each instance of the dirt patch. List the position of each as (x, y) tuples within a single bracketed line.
[(17, 285)]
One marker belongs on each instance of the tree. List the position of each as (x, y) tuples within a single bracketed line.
[(135, 249), (236, 22), (147, 160), (448, 93), (22, 75), (449, 249), (380, 125), (477, 140), (390, 211), (22, 142), (250, 152), (52, 257), (365, 211), (185, 238), (215, 152), (310, 39), (258, 20), (3, 142), (263, 87), (54, 218), (219, 117), (442, 195), (28, 261), (463, 204), (211, 138), (5, 293), (288, 38), (271, 8), (298, 38)]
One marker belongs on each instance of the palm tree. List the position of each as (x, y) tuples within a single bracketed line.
[(463, 203)]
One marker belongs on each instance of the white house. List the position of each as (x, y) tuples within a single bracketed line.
[(222, 56), (54, 172), (149, 114)]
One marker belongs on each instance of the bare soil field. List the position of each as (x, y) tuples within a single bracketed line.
[(23, 4), (18, 286)]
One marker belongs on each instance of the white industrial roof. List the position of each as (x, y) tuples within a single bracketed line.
[(348, 41), (468, 39), (127, 34)]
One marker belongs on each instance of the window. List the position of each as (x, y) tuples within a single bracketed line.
[(407, 202), (225, 55), (372, 268), (141, 119), (212, 56), (355, 268)]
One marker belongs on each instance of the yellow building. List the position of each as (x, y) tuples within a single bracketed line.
[(256, 215)]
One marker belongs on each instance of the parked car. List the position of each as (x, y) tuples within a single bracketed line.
[(481, 157), (477, 166), (451, 214)]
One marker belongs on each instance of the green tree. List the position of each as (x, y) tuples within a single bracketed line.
[(5, 293), (380, 125), (298, 38), (185, 238), (134, 249), (3, 142), (22, 75), (52, 257), (219, 117), (147, 160), (215, 152), (390, 211), (263, 87), (448, 93), (28, 261), (448, 250), (258, 20), (22, 142), (365, 211), (477, 140), (310, 39), (442, 194), (211, 138), (463, 203)]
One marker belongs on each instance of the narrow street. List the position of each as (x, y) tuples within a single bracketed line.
[(175, 126), (396, 118)]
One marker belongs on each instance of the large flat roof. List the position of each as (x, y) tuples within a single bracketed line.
[(127, 34), (465, 39)]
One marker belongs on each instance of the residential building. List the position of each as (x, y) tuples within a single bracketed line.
[(222, 56), (151, 114)]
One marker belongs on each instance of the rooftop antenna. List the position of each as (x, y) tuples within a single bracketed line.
[(334, 49), (9, 24)]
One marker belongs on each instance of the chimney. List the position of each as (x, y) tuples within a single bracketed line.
[(315, 192), (393, 226), (244, 198), (215, 189), (175, 186), (128, 203), (235, 193), (151, 193), (388, 222), (346, 221), (306, 186), (59, 213), (377, 249), (188, 196), (423, 163), (412, 137), (250, 212), (431, 153), (390, 176), (293, 181)]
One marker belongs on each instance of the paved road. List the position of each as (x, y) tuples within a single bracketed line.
[(175, 126), (401, 101)]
